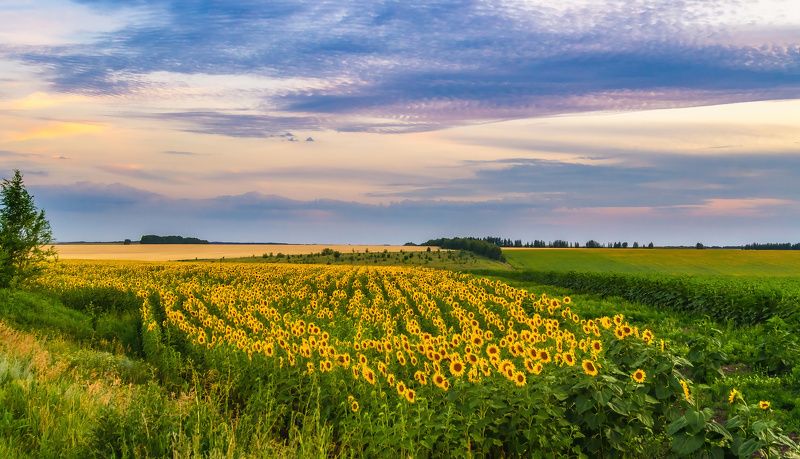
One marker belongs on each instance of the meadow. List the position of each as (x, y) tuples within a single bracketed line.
[(309, 360)]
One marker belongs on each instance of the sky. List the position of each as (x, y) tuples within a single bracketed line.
[(672, 121)]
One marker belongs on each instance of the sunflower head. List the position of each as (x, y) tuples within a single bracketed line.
[(457, 368), (639, 376), (732, 396), (764, 404), (589, 367)]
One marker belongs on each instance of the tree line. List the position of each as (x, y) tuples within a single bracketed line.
[(471, 244), (559, 243), (153, 239), (772, 246)]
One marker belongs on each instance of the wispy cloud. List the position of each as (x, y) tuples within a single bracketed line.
[(419, 66)]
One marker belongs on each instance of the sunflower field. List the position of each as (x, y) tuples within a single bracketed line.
[(421, 362)]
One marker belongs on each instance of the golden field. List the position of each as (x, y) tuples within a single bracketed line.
[(168, 252)]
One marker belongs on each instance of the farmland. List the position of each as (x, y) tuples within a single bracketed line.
[(309, 360), (760, 263), (166, 252)]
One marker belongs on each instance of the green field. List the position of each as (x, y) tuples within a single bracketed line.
[(766, 263), (85, 369)]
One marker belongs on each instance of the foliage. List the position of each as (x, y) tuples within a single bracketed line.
[(24, 233), (474, 245)]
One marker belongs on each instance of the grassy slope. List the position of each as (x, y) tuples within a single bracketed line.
[(766, 263), (63, 395)]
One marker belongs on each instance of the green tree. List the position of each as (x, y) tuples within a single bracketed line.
[(24, 234)]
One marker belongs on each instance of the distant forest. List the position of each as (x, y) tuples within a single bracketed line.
[(557, 244), (773, 246), (153, 239), (592, 244)]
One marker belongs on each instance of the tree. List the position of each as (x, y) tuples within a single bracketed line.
[(700, 245), (24, 234)]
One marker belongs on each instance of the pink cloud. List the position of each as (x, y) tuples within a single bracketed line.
[(745, 207)]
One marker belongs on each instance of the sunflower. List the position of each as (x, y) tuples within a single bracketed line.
[(440, 381), (411, 396), (569, 358), (492, 350), (619, 333), (567, 300), (401, 388), (369, 375), (686, 394), (456, 368), (544, 356), (639, 376), (589, 368), (310, 367), (763, 404), (732, 395), (354, 406), (597, 346), (421, 377), (529, 365), (519, 379)]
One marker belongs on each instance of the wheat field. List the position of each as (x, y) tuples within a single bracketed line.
[(168, 252)]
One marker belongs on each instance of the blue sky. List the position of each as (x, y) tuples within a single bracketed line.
[(381, 122)]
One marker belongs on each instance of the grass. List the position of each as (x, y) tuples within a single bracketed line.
[(61, 397), (760, 263)]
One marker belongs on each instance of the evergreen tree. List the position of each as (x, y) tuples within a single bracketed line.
[(24, 234)]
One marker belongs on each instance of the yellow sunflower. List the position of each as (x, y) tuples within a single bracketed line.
[(639, 376), (589, 368), (456, 368)]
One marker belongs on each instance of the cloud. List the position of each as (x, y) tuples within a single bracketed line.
[(88, 211), (180, 153), (239, 125), (55, 129), (656, 180), (138, 171), (417, 65)]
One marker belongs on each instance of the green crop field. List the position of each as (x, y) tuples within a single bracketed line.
[(767, 263)]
